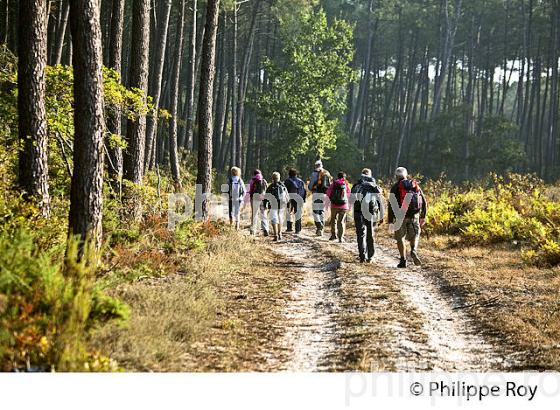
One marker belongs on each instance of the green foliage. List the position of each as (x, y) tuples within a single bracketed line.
[(492, 148), (59, 100), (46, 311), (515, 209), (308, 94)]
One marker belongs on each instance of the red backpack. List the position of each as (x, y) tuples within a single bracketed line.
[(410, 187)]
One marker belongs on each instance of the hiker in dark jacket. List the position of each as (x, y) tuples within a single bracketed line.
[(339, 196), (369, 210), (407, 211), (294, 185), (319, 182), (276, 202), (257, 189)]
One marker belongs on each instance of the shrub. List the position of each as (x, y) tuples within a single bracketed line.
[(511, 208), (45, 313)]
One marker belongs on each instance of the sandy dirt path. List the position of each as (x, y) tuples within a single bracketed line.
[(342, 315)]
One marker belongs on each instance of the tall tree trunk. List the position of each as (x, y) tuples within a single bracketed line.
[(136, 128), (223, 96), (5, 23), (114, 122), (61, 33), (243, 81), (451, 25), (173, 154), (156, 80), (32, 47), (234, 87), (86, 196), (188, 137), (205, 116)]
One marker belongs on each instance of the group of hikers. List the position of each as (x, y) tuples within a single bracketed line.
[(270, 203)]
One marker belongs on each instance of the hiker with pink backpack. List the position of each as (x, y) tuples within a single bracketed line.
[(339, 196), (407, 213)]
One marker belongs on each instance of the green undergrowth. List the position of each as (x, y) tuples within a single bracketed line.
[(50, 308), (517, 209)]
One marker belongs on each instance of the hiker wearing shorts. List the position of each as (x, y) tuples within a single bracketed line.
[(257, 189), (319, 182), (369, 210), (296, 186), (276, 201), (412, 214), (339, 196), (236, 195)]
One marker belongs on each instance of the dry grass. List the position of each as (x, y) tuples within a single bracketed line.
[(212, 314), (515, 304)]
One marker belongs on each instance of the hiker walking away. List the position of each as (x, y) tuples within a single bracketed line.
[(276, 202), (257, 189), (412, 207), (294, 185), (319, 183), (369, 211), (236, 194), (339, 195)]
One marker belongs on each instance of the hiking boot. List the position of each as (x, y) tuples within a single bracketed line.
[(265, 233), (341, 240), (320, 232), (332, 238), (275, 238), (370, 260), (362, 260), (279, 236), (415, 258), (402, 264)]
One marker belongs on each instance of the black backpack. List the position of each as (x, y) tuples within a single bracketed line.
[(260, 186), (366, 193), (279, 192), (339, 195)]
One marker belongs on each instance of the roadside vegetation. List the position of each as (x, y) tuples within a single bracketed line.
[(519, 210)]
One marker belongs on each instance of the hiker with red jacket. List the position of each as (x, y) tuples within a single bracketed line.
[(257, 189), (339, 195), (407, 211), (295, 186)]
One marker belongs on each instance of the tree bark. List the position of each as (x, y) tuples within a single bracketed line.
[(155, 82), (173, 154), (5, 23), (114, 122), (451, 26), (188, 137), (205, 115), (136, 128), (86, 196), (32, 47), (61, 34), (235, 154)]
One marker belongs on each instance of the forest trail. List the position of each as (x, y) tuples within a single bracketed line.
[(342, 315)]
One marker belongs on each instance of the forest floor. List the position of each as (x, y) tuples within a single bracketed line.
[(305, 304)]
